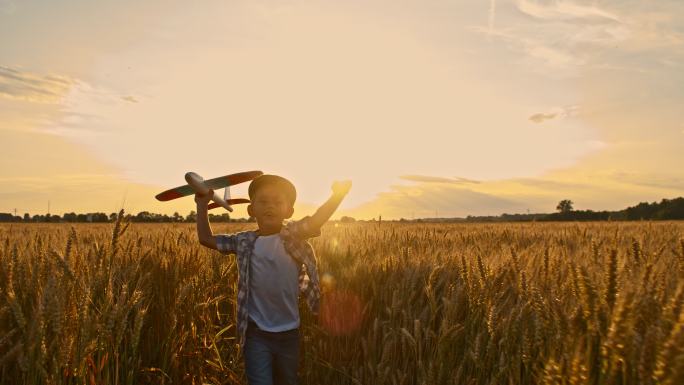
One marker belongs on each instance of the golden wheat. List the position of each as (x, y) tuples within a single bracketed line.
[(528, 303)]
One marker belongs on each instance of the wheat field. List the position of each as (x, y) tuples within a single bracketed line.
[(403, 303)]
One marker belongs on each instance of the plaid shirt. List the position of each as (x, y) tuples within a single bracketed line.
[(294, 235)]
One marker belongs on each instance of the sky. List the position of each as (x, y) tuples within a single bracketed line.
[(431, 107)]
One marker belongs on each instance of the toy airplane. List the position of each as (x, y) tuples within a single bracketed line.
[(198, 185)]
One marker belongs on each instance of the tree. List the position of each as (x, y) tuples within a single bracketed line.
[(564, 206), (143, 216)]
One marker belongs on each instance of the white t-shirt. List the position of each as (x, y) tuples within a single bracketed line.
[(274, 286)]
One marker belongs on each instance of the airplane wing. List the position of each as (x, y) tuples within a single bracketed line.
[(216, 183), (231, 202)]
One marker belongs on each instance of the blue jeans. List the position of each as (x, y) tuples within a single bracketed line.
[(271, 358)]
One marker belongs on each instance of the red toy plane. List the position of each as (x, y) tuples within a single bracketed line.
[(198, 185)]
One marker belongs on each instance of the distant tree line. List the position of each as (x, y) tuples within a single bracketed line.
[(142, 217), (666, 209)]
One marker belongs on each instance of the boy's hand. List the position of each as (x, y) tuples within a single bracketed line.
[(203, 200), (341, 188)]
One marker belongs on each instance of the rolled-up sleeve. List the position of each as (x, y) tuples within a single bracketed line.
[(301, 229), (226, 243)]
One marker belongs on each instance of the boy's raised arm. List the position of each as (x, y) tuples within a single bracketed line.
[(318, 219), (206, 237)]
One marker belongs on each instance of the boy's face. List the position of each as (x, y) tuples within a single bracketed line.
[(270, 207)]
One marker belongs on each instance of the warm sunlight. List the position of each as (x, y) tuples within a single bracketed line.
[(415, 105), (376, 192)]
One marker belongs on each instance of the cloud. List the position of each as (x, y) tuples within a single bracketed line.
[(568, 36), (591, 189), (654, 180), (86, 111), (436, 179), (46, 103), (541, 117), (129, 98), (555, 113), (549, 184), (465, 180), (65, 94), (430, 200), (492, 14), (30, 87), (565, 10), (549, 53)]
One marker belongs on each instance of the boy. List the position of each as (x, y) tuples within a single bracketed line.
[(274, 263)]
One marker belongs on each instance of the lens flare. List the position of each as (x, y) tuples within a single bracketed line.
[(341, 312), (327, 282)]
